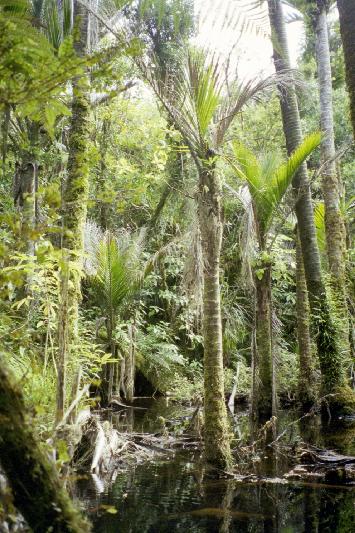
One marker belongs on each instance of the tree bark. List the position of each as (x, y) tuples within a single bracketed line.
[(130, 364), (75, 195), (63, 334), (324, 330), (347, 24), (37, 491), (216, 433), (263, 375), (75, 199), (307, 387), (331, 182)]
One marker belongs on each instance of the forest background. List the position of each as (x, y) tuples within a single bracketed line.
[(113, 131)]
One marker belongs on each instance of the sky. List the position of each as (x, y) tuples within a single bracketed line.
[(253, 53)]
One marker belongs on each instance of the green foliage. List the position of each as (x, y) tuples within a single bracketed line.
[(267, 179), (33, 74), (116, 276)]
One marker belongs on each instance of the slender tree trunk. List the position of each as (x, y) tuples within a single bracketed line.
[(63, 334), (331, 182), (347, 24), (37, 491), (217, 446), (130, 365), (75, 195), (75, 198), (331, 361), (307, 387), (103, 204), (263, 375)]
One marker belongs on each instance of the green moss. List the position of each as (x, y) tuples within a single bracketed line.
[(37, 491)]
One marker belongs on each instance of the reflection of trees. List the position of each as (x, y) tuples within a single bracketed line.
[(227, 506), (311, 510)]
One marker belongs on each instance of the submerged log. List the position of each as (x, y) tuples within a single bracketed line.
[(323, 465)]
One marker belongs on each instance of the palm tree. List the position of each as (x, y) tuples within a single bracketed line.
[(347, 23), (116, 279), (268, 181), (331, 182), (325, 331), (199, 110)]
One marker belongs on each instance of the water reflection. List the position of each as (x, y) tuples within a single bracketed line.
[(172, 495)]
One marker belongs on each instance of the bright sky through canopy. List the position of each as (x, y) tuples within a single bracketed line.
[(223, 23)]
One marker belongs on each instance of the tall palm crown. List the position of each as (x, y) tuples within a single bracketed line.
[(268, 179), (197, 101)]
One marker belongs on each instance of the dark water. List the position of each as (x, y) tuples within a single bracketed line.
[(169, 494)]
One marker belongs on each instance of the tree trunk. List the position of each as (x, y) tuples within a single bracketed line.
[(347, 24), (63, 333), (37, 491), (75, 198), (307, 387), (331, 361), (217, 446), (263, 372), (331, 183), (130, 364), (75, 195)]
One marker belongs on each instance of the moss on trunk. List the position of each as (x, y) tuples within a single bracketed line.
[(347, 24), (75, 196), (331, 180), (216, 433), (263, 359), (325, 331), (307, 386), (37, 491)]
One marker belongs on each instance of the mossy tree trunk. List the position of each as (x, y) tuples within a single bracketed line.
[(216, 433), (25, 185), (324, 330), (75, 197), (130, 362), (331, 182), (37, 491), (263, 363), (307, 387), (347, 24)]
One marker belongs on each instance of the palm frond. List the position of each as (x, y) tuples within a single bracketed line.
[(116, 274), (267, 179), (286, 171), (319, 222), (52, 21)]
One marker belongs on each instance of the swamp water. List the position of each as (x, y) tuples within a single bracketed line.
[(169, 493)]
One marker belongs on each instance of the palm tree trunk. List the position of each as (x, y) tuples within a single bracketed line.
[(217, 446), (37, 491), (332, 187), (263, 375), (347, 24), (330, 358), (307, 387)]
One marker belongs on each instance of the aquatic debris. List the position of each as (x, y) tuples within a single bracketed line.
[(220, 512)]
